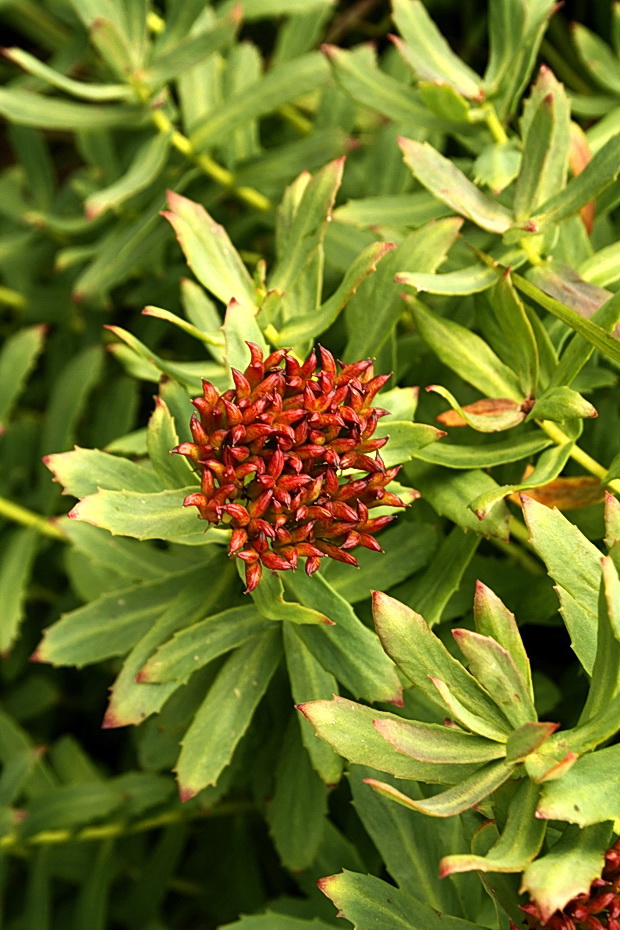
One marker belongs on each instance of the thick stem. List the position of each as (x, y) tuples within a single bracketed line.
[(210, 167), (35, 521), (578, 455)]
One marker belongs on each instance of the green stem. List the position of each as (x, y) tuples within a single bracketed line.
[(220, 175), (34, 521), (528, 247), (113, 830), (582, 458), (519, 555), (495, 126)]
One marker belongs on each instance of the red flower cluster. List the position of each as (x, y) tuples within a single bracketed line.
[(270, 449), (599, 909)]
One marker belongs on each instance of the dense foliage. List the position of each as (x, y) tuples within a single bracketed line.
[(215, 204)]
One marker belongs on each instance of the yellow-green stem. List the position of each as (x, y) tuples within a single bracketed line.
[(578, 455), (35, 521), (528, 247), (210, 167), (112, 830), (495, 126)]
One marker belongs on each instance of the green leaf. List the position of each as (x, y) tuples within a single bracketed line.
[(240, 326), (486, 454), (69, 806), (408, 209), (308, 225), (431, 742), (594, 334), (110, 625), (578, 352), (174, 471), (137, 561), (466, 354), (84, 471), (88, 91), (17, 359), (470, 280), (497, 166), (598, 58), (521, 350), (547, 468), (200, 643), (132, 698), (560, 404), (348, 728), (546, 140), (601, 171), (568, 869), (408, 640), (369, 902), (493, 619), (271, 920), (209, 252), (349, 650), (378, 305), (269, 600), (314, 323), (359, 75), (496, 671), (190, 50), (68, 398), (427, 52), (462, 715), (285, 82), (146, 166), (433, 589), (28, 109), (463, 796), (527, 739), (147, 516), (296, 812), (443, 179), (519, 843), (18, 553), (226, 713), (409, 842), (407, 548), (310, 682), (562, 547), (448, 492), (441, 99), (405, 439), (577, 796)]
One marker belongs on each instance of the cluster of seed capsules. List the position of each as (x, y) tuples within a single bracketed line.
[(271, 452), (598, 909)]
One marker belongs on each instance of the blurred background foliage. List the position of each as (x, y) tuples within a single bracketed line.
[(105, 107)]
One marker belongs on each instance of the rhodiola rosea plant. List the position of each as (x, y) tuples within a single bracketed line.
[(385, 255)]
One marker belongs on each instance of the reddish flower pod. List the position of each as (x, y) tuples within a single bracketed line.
[(270, 450)]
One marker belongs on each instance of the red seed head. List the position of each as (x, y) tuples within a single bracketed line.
[(269, 452)]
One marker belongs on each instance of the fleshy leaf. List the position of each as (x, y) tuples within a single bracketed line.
[(428, 742)]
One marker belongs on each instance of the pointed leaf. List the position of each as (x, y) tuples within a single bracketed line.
[(429, 742), (466, 354), (174, 471), (209, 251), (147, 516), (348, 728), (574, 564), (226, 713), (408, 640), (527, 739), (428, 53), (439, 175), (198, 644), (17, 359), (369, 902), (491, 415), (519, 843), (587, 794), (463, 796), (493, 619), (496, 671)]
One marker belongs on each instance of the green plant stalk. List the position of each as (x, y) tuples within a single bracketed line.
[(578, 455), (35, 521), (115, 829), (216, 172), (494, 125)]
